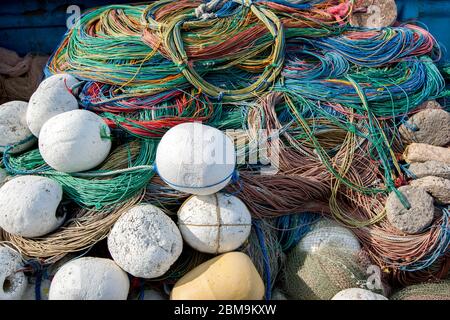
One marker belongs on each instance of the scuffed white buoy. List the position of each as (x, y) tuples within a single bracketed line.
[(74, 141), (196, 159), (145, 242), (429, 126), (12, 283), (421, 152), (13, 126), (215, 223), (411, 220), (28, 206), (430, 168), (51, 98), (328, 233), (90, 279), (358, 294), (438, 187)]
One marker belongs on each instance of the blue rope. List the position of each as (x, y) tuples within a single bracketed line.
[(441, 249), (142, 289), (37, 286), (409, 126), (37, 270), (418, 86), (408, 173), (236, 179), (267, 272), (389, 44), (228, 9), (294, 227), (299, 6)]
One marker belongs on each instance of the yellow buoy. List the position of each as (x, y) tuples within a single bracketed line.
[(231, 276)]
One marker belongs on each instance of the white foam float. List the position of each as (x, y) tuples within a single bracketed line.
[(13, 127), (90, 279), (196, 159), (145, 242), (214, 223), (12, 281), (51, 98), (75, 141), (28, 206)]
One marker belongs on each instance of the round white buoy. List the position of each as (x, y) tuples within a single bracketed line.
[(196, 159), (145, 242), (51, 98), (328, 233), (90, 279), (215, 223), (13, 126), (74, 141), (358, 294), (12, 282), (28, 206)]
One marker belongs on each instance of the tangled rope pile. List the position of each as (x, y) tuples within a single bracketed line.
[(336, 95)]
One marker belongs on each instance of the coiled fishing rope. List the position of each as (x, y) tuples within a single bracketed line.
[(335, 94), (107, 186)]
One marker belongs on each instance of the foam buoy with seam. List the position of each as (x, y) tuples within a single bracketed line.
[(196, 159), (214, 223)]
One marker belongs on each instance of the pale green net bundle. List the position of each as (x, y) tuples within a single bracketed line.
[(322, 274), (425, 291)]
